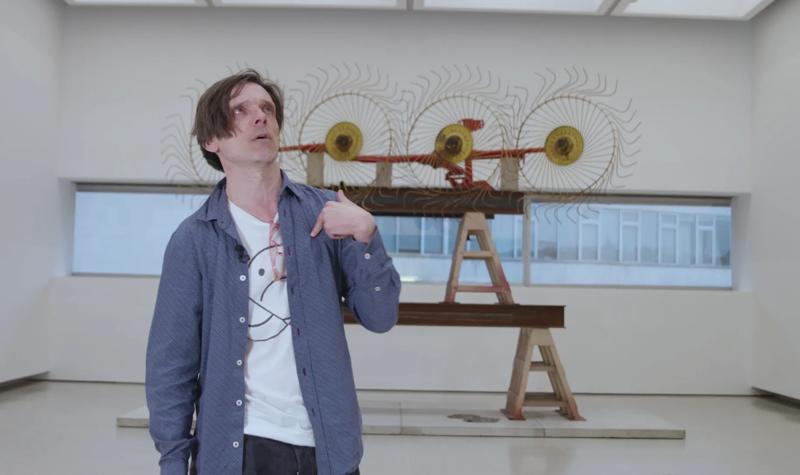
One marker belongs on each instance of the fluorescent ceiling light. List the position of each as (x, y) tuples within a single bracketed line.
[(382, 4), (526, 6), (141, 3), (723, 9)]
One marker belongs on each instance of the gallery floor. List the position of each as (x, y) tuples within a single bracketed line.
[(71, 428)]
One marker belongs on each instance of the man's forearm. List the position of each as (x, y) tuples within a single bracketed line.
[(373, 284)]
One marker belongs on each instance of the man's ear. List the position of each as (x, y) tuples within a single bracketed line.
[(212, 145)]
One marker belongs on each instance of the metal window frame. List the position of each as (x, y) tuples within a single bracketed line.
[(662, 226)]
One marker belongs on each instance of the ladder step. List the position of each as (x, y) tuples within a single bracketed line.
[(541, 366), (477, 255), (481, 288), (543, 400)]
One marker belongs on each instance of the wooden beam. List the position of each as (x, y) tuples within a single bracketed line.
[(435, 202), (476, 315)]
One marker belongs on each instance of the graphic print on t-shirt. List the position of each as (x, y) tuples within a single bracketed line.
[(268, 320)]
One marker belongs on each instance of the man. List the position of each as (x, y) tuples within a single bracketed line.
[(247, 329)]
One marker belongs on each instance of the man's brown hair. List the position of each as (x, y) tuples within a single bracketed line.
[(213, 119)]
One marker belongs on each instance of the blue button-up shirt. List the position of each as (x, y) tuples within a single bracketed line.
[(199, 332)]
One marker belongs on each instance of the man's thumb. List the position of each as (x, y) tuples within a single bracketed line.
[(341, 197)]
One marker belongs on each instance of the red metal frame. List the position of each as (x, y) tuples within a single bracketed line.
[(458, 177)]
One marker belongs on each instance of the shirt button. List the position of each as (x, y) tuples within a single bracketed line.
[(377, 288), (242, 319), (238, 402), (313, 412), (235, 444), (304, 371), (238, 362), (298, 332), (367, 255), (242, 277)]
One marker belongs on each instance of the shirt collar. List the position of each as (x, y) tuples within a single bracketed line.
[(217, 205)]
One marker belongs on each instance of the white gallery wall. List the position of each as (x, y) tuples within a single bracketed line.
[(33, 236), (773, 215), (616, 341), (127, 68), (124, 71)]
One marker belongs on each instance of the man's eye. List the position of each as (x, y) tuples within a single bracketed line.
[(239, 110)]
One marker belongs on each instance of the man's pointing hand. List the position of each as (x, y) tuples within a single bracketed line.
[(343, 218)]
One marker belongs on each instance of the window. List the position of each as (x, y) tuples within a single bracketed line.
[(686, 240), (504, 235), (567, 226), (722, 233), (610, 232), (434, 235), (124, 230), (631, 244), (589, 235), (668, 239), (545, 237), (409, 234), (705, 233), (387, 225)]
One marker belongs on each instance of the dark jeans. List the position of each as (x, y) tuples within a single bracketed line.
[(271, 457)]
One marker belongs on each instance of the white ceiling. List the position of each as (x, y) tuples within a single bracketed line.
[(705, 9)]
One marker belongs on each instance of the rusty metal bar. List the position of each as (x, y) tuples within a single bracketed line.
[(476, 315)]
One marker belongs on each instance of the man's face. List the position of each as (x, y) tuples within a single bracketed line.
[(256, 133)]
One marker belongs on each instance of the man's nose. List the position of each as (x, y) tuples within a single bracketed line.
[(261, 116)]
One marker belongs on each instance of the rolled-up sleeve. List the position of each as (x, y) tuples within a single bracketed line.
[(173, 354), (372, 284)]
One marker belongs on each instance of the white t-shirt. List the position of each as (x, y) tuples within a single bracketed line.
[(273, 403)]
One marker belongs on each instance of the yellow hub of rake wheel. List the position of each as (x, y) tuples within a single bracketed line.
[(344, 141), (454, 143), (564, 145)]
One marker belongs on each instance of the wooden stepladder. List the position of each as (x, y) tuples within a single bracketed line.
[(518, 396), (474, 224)]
